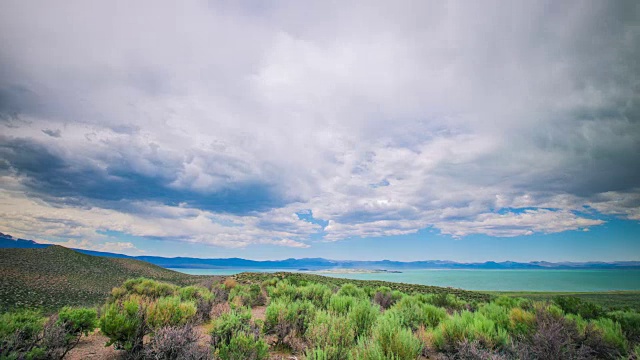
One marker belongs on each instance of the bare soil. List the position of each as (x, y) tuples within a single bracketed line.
[(92, 347)]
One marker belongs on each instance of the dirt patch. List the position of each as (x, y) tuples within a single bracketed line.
[(259, 313), (92, 347), (204, 338)]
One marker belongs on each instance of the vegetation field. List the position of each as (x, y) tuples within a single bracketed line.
[(613, 300), (305, 319), (146, 312), (53, 277), (248, 278)]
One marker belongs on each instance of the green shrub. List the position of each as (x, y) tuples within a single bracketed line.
[(363, 316), (367, 349), (318, 294), (469, 326), (433, 315), (395, 341), (20, 335), (488, 333), (63, 331), (194, 292), (124, 324), (203, 298), (574, 305), (244, 346), (444, 300), (369, 291), (577, 320), (283, 290), (521, 322), (270, 282), (630, 323), (170, 311), (316, 354), (333, 333), (28, 322), (278, 321), (284, 318), (498, 314), (449, 333), (246, 296), (513, 302), (341, 304), (611, 333), (147, 288), (27, 335), (413, 313), (352, 290), (78, 321), (228, 325), (256, 296), (549, 309)]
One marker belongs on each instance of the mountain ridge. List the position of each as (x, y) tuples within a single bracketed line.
[(8, 241)]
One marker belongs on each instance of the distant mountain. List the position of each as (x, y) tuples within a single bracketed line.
[(7, 241)]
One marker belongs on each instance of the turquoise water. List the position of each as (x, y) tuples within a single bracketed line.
[(489, 280)]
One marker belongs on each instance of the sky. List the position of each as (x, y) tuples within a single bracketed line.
[(365, 130)]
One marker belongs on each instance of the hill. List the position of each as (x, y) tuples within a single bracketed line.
[(55, 276)]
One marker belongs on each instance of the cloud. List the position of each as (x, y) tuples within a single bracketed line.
[(513, 224), (35, 219), (115, 247), (440, 116), (53, 133), (290, 243)]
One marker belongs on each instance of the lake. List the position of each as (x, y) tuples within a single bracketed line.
[(487, 280)]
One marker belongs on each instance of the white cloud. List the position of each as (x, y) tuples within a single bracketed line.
[(35, 219), (517, 224), (117, 247), (438, 116)]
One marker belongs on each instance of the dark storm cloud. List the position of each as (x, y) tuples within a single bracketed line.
[(53, 133), (52, 176)]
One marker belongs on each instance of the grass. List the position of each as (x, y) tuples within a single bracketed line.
[(612, 300), (298, 278), (53, 277)]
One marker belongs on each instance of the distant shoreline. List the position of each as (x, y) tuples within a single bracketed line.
[(353, 271)]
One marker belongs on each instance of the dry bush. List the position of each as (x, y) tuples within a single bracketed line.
[(220, 295), (556, 337), (473, 350), (384, 299), (218, 309), (176, 343), (230, 283)]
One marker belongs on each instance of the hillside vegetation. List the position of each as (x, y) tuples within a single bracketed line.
[(613, 300), (53, 277), (150, 312), (147, 319), (248, 278)]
